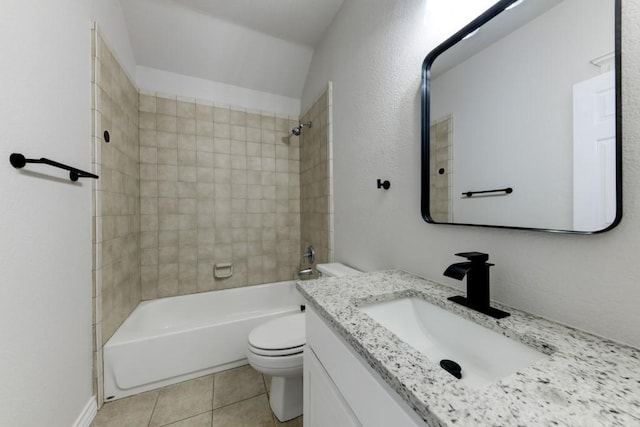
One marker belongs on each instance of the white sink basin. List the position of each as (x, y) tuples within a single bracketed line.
[(485, 356)]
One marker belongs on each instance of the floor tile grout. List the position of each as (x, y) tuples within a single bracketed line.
[(189, 417), (155, 403), (213, 396), (243, 400)]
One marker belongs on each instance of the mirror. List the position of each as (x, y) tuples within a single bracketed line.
[(521, 122)]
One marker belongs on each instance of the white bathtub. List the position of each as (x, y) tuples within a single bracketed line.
[(174, 339)]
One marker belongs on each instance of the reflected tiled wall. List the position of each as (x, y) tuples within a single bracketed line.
[(217, 185), (316, 200), (440, 159), (116, 198)]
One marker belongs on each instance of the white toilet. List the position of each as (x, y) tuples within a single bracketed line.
[(276, 347)]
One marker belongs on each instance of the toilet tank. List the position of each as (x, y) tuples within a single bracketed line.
[(335, 269)]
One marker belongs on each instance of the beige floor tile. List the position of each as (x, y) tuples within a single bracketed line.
[(267, 382), (235, 385), (202, 420), (132, 411), (254, 412), (296, 422), (183, 400)]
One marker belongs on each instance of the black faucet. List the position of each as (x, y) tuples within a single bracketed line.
[(477, 272)]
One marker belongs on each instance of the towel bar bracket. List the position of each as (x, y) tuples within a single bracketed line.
[(19, 161)]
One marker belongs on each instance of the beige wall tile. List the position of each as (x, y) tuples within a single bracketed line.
[(186, 109), (313, 184), (217, 179), (167, 156), (166, 123), (166, 106), (165, 139), (131, 120), (147, 104), (187, 142), (204, 112), (221, 115)]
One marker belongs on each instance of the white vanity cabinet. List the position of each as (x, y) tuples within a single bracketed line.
[(340, 390)]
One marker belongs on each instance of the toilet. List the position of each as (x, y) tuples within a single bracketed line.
[(276, 348)]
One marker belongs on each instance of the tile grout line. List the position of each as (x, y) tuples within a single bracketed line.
[(155, 403), (190, 416), (243, 400), (184, 419), (213, 393)]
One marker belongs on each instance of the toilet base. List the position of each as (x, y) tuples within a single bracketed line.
[(285, 397)]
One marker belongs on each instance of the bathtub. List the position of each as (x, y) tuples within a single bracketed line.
[(174, 339)]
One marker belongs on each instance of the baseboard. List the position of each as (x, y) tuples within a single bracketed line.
[(88, 413)]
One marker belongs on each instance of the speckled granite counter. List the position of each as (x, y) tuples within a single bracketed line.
[(584, 381)]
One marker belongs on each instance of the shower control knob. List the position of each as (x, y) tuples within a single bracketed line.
[(384, 184)]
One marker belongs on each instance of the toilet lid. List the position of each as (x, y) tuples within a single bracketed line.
[(278, 334)]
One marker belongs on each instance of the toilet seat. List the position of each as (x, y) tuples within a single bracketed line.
[(285, 366), (276, 348), (276, 353), (283, 336)]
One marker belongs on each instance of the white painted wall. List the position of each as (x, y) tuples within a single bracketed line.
[(299, 21), (172, 84), (522, 138), (373, 54), (110, 19), (168, 36), (45, 221)]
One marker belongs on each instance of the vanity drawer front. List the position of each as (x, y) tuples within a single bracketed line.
[(373, 401), (324, 405)]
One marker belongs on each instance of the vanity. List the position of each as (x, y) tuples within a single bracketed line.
[(510, 105), (359, 373)]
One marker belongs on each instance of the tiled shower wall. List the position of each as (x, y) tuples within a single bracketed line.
[(116, 269), (186, 184), (440, 170), (217, 185), (316, 183)]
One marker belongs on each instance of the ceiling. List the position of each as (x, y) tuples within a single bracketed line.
[(298, 21), (264, 45)]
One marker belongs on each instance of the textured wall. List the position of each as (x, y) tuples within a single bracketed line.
[(217, 185), (315, 184), (45, 220), (373, 53)]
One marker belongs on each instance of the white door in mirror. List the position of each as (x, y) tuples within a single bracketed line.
[(594, 153)]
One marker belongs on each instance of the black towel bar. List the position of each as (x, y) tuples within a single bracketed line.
[(507, 190), (18, 161)]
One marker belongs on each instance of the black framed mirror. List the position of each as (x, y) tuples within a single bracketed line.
[(521, 119)]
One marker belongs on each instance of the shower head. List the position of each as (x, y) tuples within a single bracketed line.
[(296, 130)]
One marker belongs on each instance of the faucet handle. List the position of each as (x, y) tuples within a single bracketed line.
[(474, 257)]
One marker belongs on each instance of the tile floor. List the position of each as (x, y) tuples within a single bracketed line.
[(234, 398)]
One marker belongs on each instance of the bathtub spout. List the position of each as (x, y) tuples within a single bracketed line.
[(305, 272)]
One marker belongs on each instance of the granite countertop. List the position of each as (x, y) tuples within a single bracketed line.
[(584, 381)]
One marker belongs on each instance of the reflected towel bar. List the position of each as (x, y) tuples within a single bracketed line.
[(18, 161), (507, 190)]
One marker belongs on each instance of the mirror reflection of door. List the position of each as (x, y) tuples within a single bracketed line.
[(594, 152), (508, 93)]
